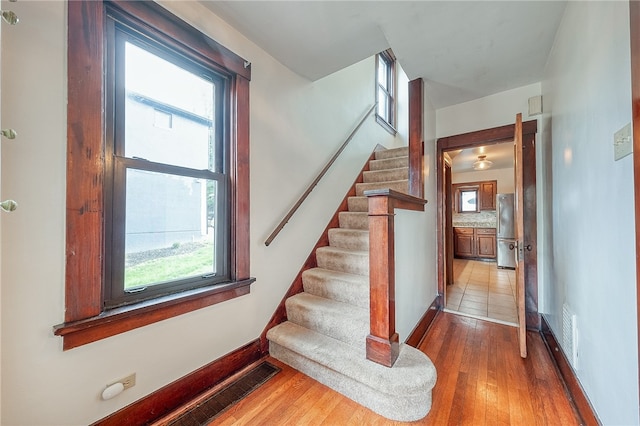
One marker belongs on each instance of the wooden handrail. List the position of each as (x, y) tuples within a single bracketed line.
[(382, 341), (306, 193)]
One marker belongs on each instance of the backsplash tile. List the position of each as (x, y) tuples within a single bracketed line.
[(483, 219)]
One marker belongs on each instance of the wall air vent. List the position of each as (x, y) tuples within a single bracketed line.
[(570, 336)]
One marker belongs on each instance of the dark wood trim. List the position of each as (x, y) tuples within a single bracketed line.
[(280, 314), (382, 341), (84, 318), (420, 330), (416, 148), (168, 398), (85, 161), (183, 36), (487, 136), (490, 137), (240, 181), (119, 320), (573, 387), (634, 16)]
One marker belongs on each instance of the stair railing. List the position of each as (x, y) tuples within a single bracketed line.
[(382, 342), (306, 193)]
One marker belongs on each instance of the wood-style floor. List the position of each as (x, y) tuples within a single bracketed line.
[(481, 381)]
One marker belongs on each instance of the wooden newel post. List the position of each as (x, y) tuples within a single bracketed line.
[(382, 341)]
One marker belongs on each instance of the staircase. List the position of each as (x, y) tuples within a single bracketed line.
[(328, 322)]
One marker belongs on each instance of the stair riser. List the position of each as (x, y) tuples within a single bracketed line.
[(346, 238), (358, 204), (392, 153), (389, 163), (402, 408), (386, 175), (354, 293), (329, 322), (353, 263), (400, 186), (350, 220)]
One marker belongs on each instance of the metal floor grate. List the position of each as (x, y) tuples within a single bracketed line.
[(207, 410)]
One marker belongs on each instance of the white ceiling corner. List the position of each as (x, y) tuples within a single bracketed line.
[(463, 50)]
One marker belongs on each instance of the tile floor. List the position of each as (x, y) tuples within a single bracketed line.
[(482, 290)]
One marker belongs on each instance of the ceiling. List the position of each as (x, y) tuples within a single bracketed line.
[(500, 154), (463, 50)]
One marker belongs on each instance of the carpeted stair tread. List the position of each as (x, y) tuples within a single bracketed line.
[(392, 153), (338, 320), (344, 260), (336, 285), (325, 335), (401, 393), (354, 220), (358, 204), (389, 163), (397, 185), (387, 175), (353, 239)]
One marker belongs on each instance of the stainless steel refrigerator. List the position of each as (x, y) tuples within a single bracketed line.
[(506, 232)]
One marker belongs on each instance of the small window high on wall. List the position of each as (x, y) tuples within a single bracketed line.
[(386, 90)]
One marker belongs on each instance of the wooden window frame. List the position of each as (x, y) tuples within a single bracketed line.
[(85, 319), (118, 35), (392, 80)]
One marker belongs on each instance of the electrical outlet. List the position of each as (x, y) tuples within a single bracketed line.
[(127, 382), (622, 143)]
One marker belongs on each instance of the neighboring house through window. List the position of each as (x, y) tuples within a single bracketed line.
[(386, 90), (158, 185)]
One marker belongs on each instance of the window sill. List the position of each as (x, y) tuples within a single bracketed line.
[(385, 124), (119, 320)]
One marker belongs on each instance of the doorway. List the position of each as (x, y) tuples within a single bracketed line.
[(445, 198), (480, 265)]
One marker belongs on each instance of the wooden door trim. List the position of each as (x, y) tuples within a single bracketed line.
[(489, 136), (634, 18)]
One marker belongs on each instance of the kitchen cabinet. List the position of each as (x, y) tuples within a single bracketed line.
[(463, 242), (486, 242), (482, 195), (488, 195), (474, 243)]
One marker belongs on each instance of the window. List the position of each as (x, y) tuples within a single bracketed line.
[(385, 90), (157, 176), (468, 200), (166, 205)]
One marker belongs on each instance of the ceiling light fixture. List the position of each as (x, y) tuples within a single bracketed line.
[(482, 163)]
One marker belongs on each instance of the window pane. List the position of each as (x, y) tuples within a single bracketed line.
[(468, 200), (382, 73), (383, 107), (184, 135), (170, 227)]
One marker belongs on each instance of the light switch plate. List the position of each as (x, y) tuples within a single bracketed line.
[(622, 143)]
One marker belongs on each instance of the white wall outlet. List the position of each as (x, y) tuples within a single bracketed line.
[(622, 142)]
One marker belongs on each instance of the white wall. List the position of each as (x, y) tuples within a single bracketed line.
[(592, 268), (296, 126), (504, 178), (415, 248), (491, 111)]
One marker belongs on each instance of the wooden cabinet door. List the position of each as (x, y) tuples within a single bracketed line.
[(464, 242), (486, 246), (488, 195)]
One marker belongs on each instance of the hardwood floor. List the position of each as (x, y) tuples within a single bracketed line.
[(481, 381)]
